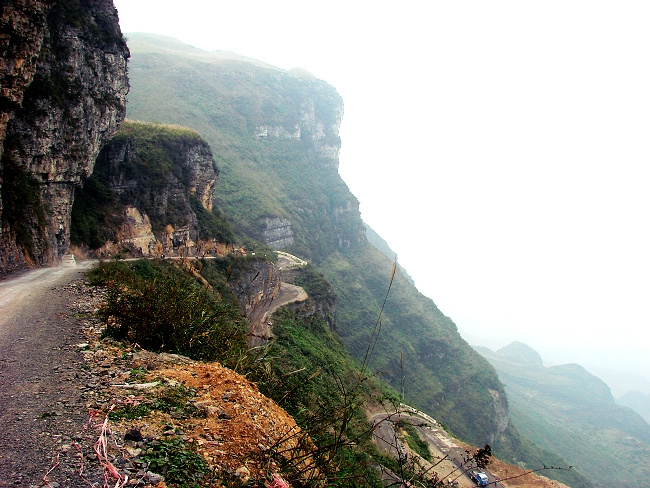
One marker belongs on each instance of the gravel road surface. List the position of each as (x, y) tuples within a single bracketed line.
[(44, 424)]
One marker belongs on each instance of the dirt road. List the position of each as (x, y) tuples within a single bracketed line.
[(42, 413), (260, 331), (449, 456)]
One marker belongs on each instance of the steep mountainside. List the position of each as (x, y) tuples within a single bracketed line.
[(72, 106), (274, 137), (568, 410)]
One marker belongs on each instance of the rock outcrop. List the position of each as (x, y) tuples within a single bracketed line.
[(67, 65), (135, 231), (278, 233), (322, 135), (153, 174), (21, 32), (314, 122), (502, 418)]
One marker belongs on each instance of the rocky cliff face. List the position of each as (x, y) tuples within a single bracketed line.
[(152, 173), (313, 122), (278, 233), (316, 113), (322, 133), (501, 416), (21, 32), (72, 106)]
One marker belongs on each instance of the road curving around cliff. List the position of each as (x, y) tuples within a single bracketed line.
[(261, 326), (449, 459), (277, 294)]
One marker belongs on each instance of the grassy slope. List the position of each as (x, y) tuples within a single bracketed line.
[(207, 92), (568, 410)]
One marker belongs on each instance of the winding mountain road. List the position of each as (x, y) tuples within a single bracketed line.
[(281, 294), (386, 439)]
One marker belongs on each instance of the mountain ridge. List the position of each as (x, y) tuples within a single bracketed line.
[(566, 409), (161, 43)]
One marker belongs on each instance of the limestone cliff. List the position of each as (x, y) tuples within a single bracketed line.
[(21, 32), (278, 233), (151, 192), (64, 90), (501, 416), (313, 121)]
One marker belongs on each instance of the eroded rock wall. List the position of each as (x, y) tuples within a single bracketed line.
[(22, 28), (317, 121), (154, 197), (72, 106), (278, 233)]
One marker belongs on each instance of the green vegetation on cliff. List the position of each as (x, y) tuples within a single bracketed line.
[(232, 101), (146, 165)]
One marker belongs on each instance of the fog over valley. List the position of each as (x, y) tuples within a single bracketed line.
[(498, 148)]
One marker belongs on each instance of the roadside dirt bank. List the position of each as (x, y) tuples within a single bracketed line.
[(59, 379)]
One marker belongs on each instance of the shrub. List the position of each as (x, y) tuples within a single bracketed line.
[(177, 463), (162, 309)]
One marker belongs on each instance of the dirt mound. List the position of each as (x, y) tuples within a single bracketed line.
[(209, 409)]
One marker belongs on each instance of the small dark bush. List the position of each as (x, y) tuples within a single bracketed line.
[(177, 463)]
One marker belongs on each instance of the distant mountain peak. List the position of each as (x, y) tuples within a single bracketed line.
[(521, 353), (302, 73)]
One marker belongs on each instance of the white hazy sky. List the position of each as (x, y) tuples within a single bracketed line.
[(501, 148)]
